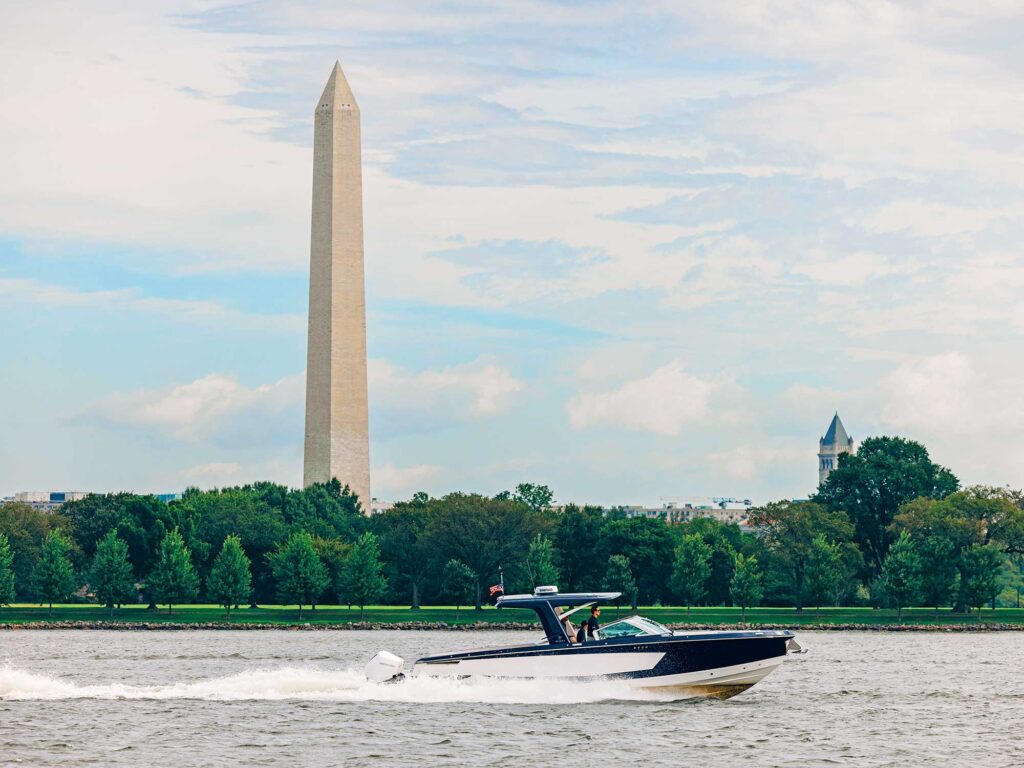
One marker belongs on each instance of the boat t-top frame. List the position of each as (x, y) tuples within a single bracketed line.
[(545, 600)]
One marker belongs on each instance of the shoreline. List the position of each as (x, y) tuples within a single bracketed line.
[(480, 626)]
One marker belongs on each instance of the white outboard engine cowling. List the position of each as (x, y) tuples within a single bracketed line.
[(385, 667)]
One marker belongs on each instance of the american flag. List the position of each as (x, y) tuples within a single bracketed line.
[(497, 589)]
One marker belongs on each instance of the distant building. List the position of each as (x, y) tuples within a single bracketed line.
[(724, 511), (834, 443), (47, 501), (50, 501)]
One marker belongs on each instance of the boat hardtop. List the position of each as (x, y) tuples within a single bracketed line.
[(549, 604)]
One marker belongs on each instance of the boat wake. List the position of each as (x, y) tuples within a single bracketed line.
[(318, 684)]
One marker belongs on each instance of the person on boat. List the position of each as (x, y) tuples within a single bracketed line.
[(581, 636), (567, 627), (592, 625)]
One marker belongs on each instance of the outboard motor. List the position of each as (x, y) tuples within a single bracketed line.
[(792, 646), (385, 667)]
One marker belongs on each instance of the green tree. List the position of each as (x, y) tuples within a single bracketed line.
[(824, 574), (253, 513), (540, 562), (998, 513), (901, 574), (458, 583), (619, 578), (976, 516), (536, 497), (723, 561), (333, 554), (691, 570), (26, 528), (481, 533), (230, 580), (6, 571), (140, 521), (745, 587), (981, 566), (299, 572), (174, 578), (872, 484), (938, 571), (405, 546), (111, 577), (54, 574), (788, 530), (362, 577), (576, 540), (649, 545), (1013, 582), (328, 510)]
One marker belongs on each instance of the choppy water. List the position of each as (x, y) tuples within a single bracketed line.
[(299, 698)]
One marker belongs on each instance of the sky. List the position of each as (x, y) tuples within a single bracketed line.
[(637, 251)]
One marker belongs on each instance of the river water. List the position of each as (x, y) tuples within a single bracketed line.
[(299, 698)]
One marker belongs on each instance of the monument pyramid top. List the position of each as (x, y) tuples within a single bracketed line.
[(337, 93)]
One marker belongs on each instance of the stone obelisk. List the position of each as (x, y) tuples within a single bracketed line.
[(337, 424)]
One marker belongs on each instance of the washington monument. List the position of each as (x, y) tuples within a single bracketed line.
[(337, 429)]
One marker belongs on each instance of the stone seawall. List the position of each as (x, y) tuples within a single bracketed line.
[(492, 626)]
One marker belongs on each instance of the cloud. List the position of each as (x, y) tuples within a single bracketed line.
[(889, 88), (219, 409), (749, 461), (412, 401), (212, 473), (228, 473), (989, 284), (852, 269), (465, 246), (516, 271), (952, 394), (158, 154), (662, 403), (124, 301), (930, 219), (714, 270), (215, 408), (965, 407), (391, 482)]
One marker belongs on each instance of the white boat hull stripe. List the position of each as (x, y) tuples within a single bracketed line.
[(560, 665)]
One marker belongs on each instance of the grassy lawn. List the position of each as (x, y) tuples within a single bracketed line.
[(288, 614)]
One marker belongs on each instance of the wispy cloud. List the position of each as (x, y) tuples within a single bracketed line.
[(119, 302)]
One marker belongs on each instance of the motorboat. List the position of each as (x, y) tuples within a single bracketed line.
[(634, 649)]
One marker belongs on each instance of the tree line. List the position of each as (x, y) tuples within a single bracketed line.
[(889, 527)]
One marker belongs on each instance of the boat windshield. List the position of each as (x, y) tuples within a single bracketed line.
[(634, 626)]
